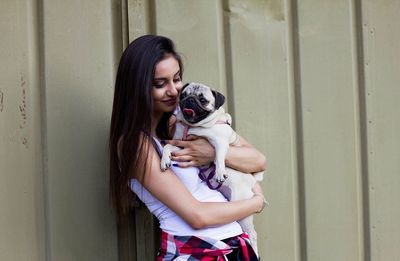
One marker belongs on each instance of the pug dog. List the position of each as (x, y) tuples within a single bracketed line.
[(200, 113)]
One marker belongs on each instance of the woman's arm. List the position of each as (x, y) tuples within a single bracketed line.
[(166, 187), (197, 151), (245, 158)]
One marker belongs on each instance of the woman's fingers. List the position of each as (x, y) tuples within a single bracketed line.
[(182, 158), (192, 137), (178, 143), (196, 150), (182, 152), (187, 164), (257, 189)]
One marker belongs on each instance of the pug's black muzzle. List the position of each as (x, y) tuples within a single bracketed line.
[(192, 103)]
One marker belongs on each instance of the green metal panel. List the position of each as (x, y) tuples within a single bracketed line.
[(381, 35), (329, 120), (22, 222), (82, 44)]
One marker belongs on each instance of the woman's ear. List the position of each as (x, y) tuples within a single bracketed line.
[(219, 99)]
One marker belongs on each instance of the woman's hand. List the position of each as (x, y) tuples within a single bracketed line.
[(258, 192), (196, 151)]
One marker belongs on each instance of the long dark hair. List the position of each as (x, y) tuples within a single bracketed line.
[(131, 115)]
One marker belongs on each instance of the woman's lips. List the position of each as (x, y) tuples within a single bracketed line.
[(170, 102)]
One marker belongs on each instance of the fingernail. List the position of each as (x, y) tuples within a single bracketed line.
[(175, 164)]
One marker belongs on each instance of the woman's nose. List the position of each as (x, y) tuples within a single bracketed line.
[(172, 89)]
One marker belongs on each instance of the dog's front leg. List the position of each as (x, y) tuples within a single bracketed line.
[(166, 156), (221, 149)]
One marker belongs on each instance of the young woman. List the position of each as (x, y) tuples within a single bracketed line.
[(195, 220)]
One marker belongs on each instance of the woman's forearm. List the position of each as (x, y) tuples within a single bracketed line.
[(208, 214), (245, 158)]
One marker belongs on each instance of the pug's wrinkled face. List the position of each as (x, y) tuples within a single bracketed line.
[(197, 101)]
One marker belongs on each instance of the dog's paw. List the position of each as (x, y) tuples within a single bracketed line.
[(220, 180), (165, 164), (220, 176)]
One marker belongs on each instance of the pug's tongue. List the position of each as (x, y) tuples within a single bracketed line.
[(189, 112)]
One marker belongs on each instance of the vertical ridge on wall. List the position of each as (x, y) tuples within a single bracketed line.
[(152, 14), (34, 62), (43, 113), (361, 128), (228, 60), (124, 23), (295, 92), (221, 43)]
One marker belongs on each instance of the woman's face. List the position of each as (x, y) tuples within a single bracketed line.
[(167, 84)]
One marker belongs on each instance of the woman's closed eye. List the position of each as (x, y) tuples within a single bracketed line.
[(177, 79), (158, 84), (161, 84)]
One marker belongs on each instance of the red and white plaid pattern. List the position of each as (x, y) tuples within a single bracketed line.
[(191, 248)]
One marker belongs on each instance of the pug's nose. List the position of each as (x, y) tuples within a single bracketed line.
[(191, 101)]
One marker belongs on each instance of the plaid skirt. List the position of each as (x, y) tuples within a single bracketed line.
[(192, 248)]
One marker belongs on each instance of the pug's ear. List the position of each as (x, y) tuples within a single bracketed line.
[(219, 99), (182, 94), (184, 86)]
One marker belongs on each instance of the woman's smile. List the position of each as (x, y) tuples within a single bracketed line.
[(171, 102)]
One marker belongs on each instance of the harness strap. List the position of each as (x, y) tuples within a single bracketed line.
[(206, 174)]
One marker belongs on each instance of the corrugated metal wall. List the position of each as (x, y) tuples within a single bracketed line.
[(313, 84), (57, 63)]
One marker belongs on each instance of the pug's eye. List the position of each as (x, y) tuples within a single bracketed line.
[(203, 100)]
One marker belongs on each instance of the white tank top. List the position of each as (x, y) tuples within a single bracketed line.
[(170, 222)]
